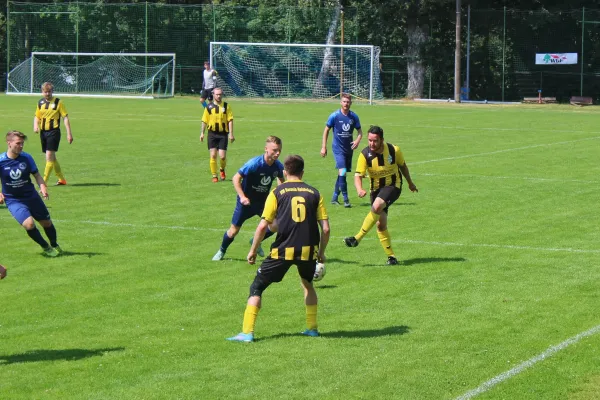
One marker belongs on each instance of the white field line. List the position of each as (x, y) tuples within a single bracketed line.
[(504, 151), (515, 178), (406, 241), (484, 387)]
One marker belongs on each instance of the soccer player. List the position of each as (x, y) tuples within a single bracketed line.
[(22, 201), (209, 81), (300, 212), (383, 163), (252, 183), (218, 117), (47, 123), (343, 122)]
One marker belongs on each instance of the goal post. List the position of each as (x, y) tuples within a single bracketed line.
[(302, 70), (117, 75)]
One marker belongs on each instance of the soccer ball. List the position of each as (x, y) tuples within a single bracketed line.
[(319, 272)]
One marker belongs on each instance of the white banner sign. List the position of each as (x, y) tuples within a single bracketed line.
[(556, 58)]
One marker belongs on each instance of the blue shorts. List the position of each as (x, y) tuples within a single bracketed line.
[(21, 209), (242, 212), (343, 161)]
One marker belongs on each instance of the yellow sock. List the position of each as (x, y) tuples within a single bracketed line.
[(58, 171), (223, 163), (48, 170), (250, 319), (213, 166), (311, 316), (386, 242), (369, 222)]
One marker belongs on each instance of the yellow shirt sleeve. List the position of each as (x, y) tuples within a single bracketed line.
[(399, 156), (205, 116), (229, 113), (361, 165), (62, 109), (270, 210), (321, 211), (38, 113)]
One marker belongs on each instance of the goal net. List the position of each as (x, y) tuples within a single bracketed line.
[(297, 70), (143, 75)]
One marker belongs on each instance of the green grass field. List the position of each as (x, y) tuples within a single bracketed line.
[(496, 295)]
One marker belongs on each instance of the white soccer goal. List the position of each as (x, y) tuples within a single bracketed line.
[(121, 75), (297, 70)]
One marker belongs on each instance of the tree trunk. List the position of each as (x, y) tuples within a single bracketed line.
[(414, 66), (328, 68)]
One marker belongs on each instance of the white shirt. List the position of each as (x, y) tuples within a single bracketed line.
[(210, 81)]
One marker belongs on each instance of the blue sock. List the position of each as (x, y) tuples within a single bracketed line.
[(343, 185), (204, 104), (336, 190), (37, 237), (51, 233), (226, 242)]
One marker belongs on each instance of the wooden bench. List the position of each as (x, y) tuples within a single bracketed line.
[(581, 101), (545, 100)]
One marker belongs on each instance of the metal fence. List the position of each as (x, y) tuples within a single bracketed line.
[(498, 56)]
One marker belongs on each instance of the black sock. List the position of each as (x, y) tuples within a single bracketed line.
[(51, 233), (37, 237)]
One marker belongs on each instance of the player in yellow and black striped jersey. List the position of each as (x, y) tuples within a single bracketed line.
[(46, 122), (298, 211), (218, 117), (385, 165)]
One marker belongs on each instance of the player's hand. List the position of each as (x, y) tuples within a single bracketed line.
[(245, 201), (2, 272), (70, 138), (355, 144), (1, 198), (44, 194), (202, 137), (321, 258), (362, 193), (231, 139), (413, 187), (323, 151), (251, 257)]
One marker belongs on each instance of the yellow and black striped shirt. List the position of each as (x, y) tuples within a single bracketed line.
[(217, 117), (297, 207), (382, 168), (49, 113)]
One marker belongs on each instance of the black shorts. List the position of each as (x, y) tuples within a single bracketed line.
[(389, 194), (217, 141), (274, 269), (50, 140), (207, 94)]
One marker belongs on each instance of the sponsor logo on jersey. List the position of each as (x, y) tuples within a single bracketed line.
[(15, 174)]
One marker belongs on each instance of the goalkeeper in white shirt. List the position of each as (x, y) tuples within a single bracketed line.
[(209, 82)]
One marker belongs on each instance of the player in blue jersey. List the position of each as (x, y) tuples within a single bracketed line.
[(252, 183), (21, 198), (343, 122)]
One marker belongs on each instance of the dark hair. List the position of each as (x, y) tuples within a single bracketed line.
[(376, 130), (294, 165)]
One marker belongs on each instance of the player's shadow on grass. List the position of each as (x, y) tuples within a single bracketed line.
[(424, 260), (94, 184), (89, 254), (359, 334), (55, 355)]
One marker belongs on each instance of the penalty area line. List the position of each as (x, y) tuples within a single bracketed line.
[(484, 387)]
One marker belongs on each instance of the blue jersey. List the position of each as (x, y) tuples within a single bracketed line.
[(16, 176), (257, 178), (343, 127)]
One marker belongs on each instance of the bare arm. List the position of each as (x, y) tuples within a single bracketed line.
[(325, 231), (359, 187), (406, 174), (68, 127), (42, 185), (358, 139), (36, 125), (237, 184), (231, 137), (324, 142), (259, 235), (202, 129)]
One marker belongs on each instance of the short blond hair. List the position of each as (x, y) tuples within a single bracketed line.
[(47, 86), (274, 139), (12, 134)]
